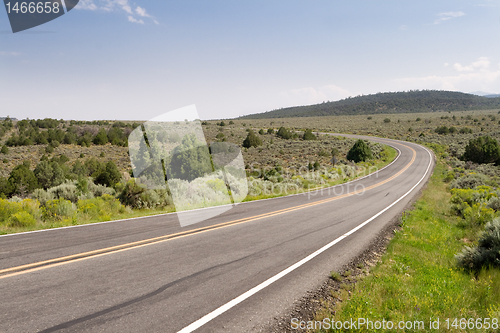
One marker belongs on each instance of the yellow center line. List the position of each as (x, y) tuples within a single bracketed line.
[(23, 269)]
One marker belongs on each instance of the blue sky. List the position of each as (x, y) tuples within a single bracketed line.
[(124, 59)]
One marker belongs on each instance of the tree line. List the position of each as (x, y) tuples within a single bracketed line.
[(389, 102)]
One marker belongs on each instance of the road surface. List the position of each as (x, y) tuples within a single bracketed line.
[(232, 273)]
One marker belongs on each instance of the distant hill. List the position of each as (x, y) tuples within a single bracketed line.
[(485, 94), (389, 102)]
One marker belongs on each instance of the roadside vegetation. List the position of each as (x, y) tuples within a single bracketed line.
[(444, 261), (59, 173)]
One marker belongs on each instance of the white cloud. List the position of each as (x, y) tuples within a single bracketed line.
[(116, 5), (473, 77), (86, 4), (123, 4), (133, 20), (141, 12), (482, 64), (447, 16), (313, 95), (106, 5)]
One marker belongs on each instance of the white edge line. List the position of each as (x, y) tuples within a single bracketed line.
[(217, 312), (239, 203)]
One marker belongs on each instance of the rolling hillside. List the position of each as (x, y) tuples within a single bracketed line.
[(389, 102)]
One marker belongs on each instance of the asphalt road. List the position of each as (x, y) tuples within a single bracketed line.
[(151, 275)]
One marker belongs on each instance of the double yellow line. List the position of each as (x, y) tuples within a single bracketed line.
[(33, 267)]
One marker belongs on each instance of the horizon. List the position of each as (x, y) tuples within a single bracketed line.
[(483, 94), (118, 59)]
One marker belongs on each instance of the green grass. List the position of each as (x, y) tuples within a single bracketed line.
[(4, 230), (368, 167), (417, 278)]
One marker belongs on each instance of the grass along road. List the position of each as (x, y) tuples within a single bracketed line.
[(417, 279)]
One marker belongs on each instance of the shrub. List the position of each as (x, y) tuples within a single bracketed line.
[(486, 253), (62, 159), (174, 137), (69, 138), (9, 208), (109, 175), (387, 120), (462, 199), (252, 140), (4, 150), (336, 275), (468, 181), (149, 199), (130, 193), (284, 133), (190, 159), (478, 214), (308, 135), (49, 174), (67, 191), (59, 209), (138, 197), (23, 180), (101, 137), (465, 130), (494, 203), (360, 152), (482, 150), (96, 190), (217, 185), (42, 196), (270, 131), (22, 219), (442, 130), (323, 153), (101, 208)]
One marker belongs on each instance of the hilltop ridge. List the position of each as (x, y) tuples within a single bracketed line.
[(412, 101)]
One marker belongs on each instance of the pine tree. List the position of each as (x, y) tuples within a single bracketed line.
[(252, 140), (308, 135), (359, 152)]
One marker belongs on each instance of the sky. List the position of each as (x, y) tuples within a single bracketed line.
[(135, 60)]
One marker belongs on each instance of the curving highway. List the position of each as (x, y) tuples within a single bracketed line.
[(232, 273)]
